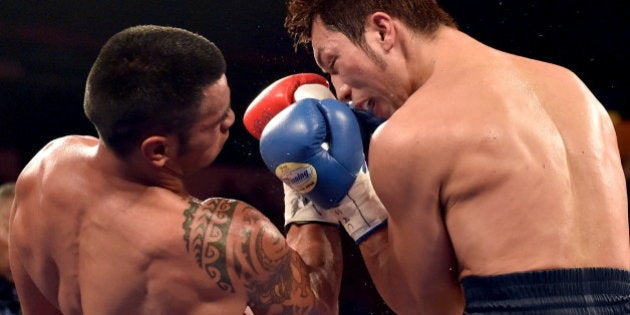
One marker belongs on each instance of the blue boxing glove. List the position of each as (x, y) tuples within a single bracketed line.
[(368, 124), (315, 147), (291, 146)]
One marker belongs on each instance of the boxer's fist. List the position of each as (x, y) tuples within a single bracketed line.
[(315, 148), (291, 146), (280, 95)]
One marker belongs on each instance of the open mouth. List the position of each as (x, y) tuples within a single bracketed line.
[(367, 105)]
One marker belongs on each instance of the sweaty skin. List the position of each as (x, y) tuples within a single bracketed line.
[(489, 163), (91, 235)]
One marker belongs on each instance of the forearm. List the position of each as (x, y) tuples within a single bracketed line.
[(319, 246), (434, 292), (375, 250)]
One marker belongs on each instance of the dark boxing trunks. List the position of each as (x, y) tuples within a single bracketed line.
[(598, 291)]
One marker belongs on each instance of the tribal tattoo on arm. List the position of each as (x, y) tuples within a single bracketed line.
[(229, 239), (205, 234)]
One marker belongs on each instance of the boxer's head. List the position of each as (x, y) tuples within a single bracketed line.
[(348, 16), (149, 80)]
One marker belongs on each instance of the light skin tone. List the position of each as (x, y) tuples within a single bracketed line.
[(485, 157), (93, 233)]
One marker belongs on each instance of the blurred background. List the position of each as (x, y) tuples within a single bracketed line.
[(47, 48)]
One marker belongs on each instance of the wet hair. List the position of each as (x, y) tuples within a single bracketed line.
[(348, 16), (148, 80)]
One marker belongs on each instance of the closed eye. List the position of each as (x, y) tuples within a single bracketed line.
[(222, 118), (331, 66)]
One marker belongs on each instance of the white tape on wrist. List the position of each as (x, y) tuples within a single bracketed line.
[(300, 210), (361, 211)]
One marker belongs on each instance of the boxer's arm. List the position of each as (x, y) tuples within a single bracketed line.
[(417, 233), (32, 301), (299, 274), (305, 277), (319, 246)]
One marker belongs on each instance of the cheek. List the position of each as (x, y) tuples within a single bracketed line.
[(359, 72), (204, 149), (200, 143), (214, 141)]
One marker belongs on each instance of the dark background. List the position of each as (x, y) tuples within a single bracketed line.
[(47, 48)]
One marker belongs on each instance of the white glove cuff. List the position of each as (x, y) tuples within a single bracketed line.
[(299, 210), (361, 211)]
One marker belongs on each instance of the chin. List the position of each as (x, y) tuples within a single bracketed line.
[(208, 162), (380, 113), (201, 163)]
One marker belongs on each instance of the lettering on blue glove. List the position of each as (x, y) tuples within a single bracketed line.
[(300, 176)]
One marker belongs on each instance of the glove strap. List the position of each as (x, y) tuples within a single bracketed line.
[(361, 211)]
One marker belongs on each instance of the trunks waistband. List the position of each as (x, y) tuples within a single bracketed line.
[(567, 291)]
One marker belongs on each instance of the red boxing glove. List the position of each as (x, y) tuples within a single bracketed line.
[(279, 95)]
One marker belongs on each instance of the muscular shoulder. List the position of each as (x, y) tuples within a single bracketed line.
[(225, 218), (422, 132), (237, 233), (405, 158), (424, 142), (240, 213), (56, 163), (248, 252), (64, 150), (66, 143)]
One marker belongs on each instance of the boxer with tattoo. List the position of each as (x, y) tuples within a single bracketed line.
[(106, 226)]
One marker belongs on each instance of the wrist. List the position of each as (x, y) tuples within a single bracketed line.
[(361, 211), (299, 210)]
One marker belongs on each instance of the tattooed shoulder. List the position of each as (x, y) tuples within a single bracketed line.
[(231, 241), (206, 229)]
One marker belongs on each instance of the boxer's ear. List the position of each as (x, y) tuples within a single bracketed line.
[(382, 26), (157, 150)]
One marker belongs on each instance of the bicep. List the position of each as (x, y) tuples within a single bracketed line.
[(280, 281), (246, 253), (408, 171)]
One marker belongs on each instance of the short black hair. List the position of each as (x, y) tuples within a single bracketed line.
[(348, 16), (149, 79)]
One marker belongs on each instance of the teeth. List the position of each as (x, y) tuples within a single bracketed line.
[(367, 105), (362, 106), (370, 105)]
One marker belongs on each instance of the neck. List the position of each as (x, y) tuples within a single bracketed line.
[(419, 52), (449, 49), (135, 169)]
